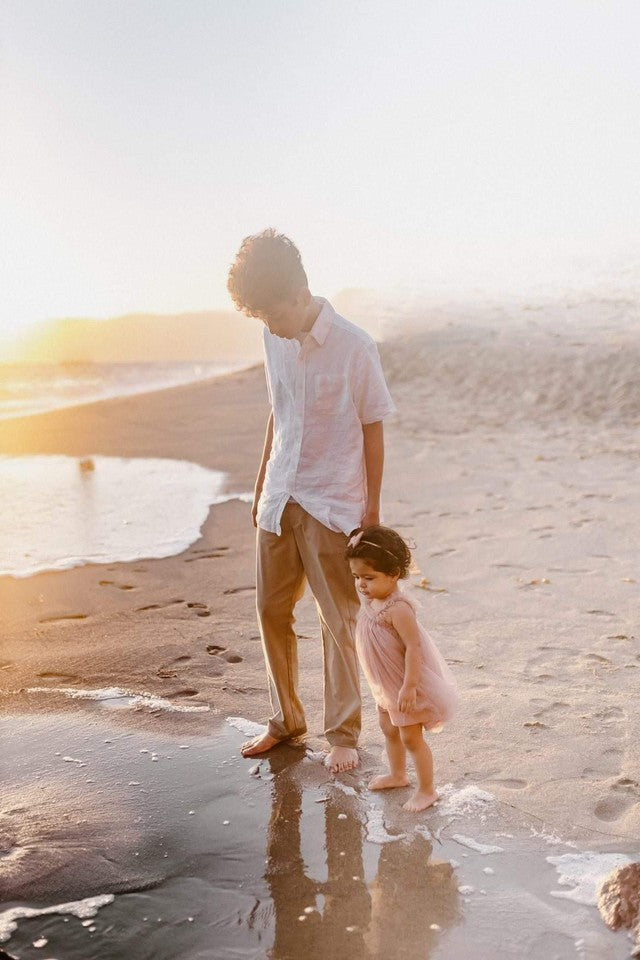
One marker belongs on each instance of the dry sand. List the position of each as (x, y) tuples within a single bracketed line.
[(513, 462)]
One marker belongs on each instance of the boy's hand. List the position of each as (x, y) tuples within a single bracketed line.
[(370, 518), (406, 698), (254, 508)]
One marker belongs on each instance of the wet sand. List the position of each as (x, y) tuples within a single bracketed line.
[(205, 855), (526, 563)]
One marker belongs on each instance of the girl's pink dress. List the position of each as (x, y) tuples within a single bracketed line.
[(381, 653)]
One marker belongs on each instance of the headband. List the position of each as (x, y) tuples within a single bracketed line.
[(357, 539)]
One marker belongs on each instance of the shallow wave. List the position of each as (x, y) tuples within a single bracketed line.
[(484, 374)]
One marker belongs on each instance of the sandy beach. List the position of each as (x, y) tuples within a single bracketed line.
[(513, 463)]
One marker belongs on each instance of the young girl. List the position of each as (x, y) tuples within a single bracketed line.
[(409, 679)]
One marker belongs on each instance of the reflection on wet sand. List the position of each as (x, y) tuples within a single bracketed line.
[(203, 859), (400, 913)]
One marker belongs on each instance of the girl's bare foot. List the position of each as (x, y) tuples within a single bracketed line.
[(340, 759), (387, 781), (258, 745), (420, 800)]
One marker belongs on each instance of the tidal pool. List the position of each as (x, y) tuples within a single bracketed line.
[(58, 512)]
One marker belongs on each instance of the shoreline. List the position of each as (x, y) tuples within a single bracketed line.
[(133, 391)]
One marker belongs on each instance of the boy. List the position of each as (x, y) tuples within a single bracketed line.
[(319, 478)]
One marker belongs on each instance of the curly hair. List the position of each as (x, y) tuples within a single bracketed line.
[(267, 270), (382, 548)]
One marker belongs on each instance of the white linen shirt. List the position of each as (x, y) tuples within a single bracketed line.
[(321, 391)]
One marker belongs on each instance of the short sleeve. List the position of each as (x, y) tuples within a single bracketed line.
[(371, 395), (267, 363)]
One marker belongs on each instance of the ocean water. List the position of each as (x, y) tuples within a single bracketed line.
[(37, 387), (58, 512)]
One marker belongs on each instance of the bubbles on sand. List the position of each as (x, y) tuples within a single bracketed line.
[(56, 514), (376, 830), (248, 727), (584, 873), (471, 799), (482, 848), (78, 908), (116, 698)]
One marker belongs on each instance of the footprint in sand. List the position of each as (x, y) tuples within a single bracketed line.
[(47, 675), (167, 672), (159, 606), (118, 586), (213, 555), (64, 616), (597, 658), (239, 589), (482, 774), (626, 794), (558, 706), (206, 553), (200, 609), (609, 713), (510, 784), (229, 655)]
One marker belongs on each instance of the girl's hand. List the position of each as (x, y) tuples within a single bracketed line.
[(406, 698)]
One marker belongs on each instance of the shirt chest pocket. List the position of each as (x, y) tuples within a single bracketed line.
[(329, 393)]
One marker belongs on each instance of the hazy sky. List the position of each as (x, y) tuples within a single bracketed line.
[(397, 142)]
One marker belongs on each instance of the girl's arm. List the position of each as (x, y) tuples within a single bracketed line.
[(404, 620)]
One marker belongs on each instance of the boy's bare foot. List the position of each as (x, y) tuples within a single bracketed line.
[(258, 745), (387, 781), (420, 800), (340, 759)]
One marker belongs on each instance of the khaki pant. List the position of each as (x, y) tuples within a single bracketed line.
[(307, 550)]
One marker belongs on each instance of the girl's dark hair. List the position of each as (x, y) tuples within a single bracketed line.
[(382, 548)]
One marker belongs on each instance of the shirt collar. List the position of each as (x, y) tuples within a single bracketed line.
[(322, 325)]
